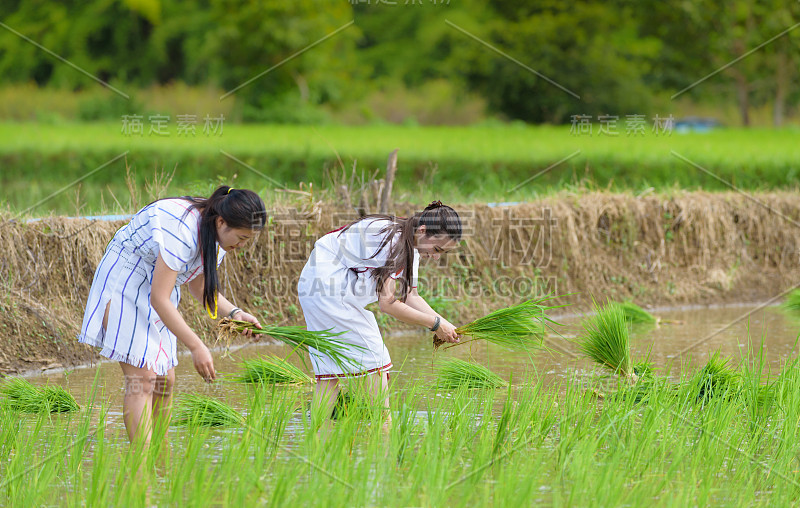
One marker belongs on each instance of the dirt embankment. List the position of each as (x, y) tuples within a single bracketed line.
[(685, 248)]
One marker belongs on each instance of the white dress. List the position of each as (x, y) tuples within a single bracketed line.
[(336, 285), (135, 334)]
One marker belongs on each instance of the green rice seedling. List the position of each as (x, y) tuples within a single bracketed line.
[(455, 373), (20, 395), (638, 393), (202, 411), (716, 379), (271, 370), (10, 425), (520, 327), (645, 383), (606, 340), (296, 336), (643, 369), (346, 404), (647, 388), (354, 401), (792, 303), (635, 314), (269, 411)]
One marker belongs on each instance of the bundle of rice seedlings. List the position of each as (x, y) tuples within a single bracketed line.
[(520, 327), (716, 379), (194, 410), (635, 314), (296, 336), (21, 395), (606, 340), (58, 400), (455, 373), (792, 302), (271, 370)]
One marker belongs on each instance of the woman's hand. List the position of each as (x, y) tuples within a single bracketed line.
[(203, 362), (446, 331), (244, 316)]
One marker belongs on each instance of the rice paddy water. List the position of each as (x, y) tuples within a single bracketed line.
[(545, 438)]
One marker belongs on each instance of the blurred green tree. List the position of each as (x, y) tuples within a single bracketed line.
[(620, 57), (243, 38), (221, 42), (706, 39), (591, 48), (107, 38)]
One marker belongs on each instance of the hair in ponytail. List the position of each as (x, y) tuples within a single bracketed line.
[(438, 219), (240, 209)]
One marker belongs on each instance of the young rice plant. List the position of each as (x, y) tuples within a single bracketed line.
[(21, 395), (455, 373)]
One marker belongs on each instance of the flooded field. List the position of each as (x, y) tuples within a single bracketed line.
[(681, 343), (549, 438)]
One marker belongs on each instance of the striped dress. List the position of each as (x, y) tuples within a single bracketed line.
[(135, 334), (336, 285)]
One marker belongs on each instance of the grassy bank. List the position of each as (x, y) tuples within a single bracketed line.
[(465, 164)]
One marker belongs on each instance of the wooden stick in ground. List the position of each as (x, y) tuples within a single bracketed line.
[(391, 169)]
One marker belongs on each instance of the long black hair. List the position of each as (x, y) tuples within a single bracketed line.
[(437, 218), (240, 209)]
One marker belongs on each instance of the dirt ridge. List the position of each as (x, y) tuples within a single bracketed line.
[(681, 248)]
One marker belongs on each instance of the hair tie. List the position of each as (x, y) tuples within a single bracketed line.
[(434, 204), (229, 190)]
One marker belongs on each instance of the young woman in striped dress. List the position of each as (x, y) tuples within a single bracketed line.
[(375, 258), (132, 310)]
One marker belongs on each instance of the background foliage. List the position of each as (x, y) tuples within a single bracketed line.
[(621, 57)]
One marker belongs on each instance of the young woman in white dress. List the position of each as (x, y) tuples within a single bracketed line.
[(132, 310), (375, 258)]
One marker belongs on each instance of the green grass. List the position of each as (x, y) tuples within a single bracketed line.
[(464, 164), (20, 395), (271, 370), (533, 444)]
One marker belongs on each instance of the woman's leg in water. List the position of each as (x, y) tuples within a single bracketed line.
[(162, 402), (326, 391), (137, 404)]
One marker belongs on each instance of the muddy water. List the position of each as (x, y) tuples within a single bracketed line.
[(682, 343)]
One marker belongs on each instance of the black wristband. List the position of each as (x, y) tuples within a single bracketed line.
[(436, 323)]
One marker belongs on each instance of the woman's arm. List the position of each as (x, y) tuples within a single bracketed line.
[(408, 314), (417, 302), (163, 285), (224, 307)]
